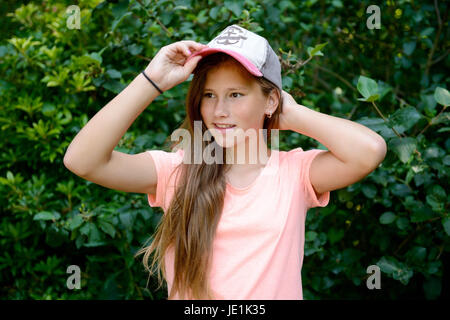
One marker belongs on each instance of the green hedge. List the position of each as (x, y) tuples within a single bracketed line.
[(54, 79)]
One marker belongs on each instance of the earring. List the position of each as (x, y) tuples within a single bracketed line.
[(269, 116)]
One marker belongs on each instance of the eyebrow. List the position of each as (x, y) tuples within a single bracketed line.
[(229, 89)]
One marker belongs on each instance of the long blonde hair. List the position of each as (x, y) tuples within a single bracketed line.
[(192, 217)]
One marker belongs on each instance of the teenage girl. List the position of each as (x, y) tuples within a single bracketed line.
[(229, 230)]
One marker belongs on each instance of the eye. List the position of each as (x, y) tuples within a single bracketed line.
[(207, 95), (234, 93)]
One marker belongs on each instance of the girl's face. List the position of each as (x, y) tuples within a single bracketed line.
[(232, 97)]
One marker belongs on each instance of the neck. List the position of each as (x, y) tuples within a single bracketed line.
[(248, 155)]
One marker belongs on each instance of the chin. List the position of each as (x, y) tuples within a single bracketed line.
[(224, 144), (226, 141)]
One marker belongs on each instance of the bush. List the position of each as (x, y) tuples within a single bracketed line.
[(55, 78)]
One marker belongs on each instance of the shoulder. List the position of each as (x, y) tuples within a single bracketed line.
[(292, 155), (166, 160), (174, 155), (300, 158), (299, 153)]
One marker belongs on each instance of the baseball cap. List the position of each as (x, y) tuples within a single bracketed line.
[(251, 50)]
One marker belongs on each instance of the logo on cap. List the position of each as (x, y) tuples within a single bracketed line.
[(231, 36)]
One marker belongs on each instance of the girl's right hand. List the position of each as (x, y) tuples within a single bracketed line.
[(169, 67)]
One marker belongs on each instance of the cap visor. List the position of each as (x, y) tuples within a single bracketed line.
[(243, 60)]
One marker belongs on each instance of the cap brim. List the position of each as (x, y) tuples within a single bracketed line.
[(243, 60)]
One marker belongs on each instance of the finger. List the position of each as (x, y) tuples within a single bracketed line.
[(178, 48), (190, 65), (194, 46), (184, 49)]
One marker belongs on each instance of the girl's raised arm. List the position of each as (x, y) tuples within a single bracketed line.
[(91, 153)]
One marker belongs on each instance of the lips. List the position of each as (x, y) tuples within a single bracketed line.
[(224, 125), (224, 130)]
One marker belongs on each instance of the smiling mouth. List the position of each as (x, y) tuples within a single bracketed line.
[(223, 127)]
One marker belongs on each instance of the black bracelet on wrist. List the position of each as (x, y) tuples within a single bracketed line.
[(160, 91)]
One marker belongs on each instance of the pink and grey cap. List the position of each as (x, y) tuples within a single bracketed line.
[(251, 50)]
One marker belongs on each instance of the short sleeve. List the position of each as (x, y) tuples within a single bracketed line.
[(165, 164), (302, 161), (312, 198)]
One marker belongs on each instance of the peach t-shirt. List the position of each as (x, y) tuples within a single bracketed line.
[(259, 243)]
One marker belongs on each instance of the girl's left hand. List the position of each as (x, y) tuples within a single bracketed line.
[(289, 105)]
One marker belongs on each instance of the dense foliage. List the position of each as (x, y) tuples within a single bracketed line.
[(55, 77)]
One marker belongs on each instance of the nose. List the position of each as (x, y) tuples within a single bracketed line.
[(221, 109)]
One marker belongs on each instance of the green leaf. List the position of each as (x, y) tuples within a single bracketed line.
[(94, 233), (135, 49), (337, 3), (126, 219), (422, 213), (369, 190), (442, 96), (235, 7), (433, 267), (435, 202), (96, 57), (416, 254), (85, 228), (114, 86), (75, 222), (310, 236), (368, 88), (95, 244), (397, 270), (387, 217), (344, 195), (370, 99), (447, 129), (146, 215), (404, 119), (426, 32), (379, 125), (9, 176), (53, 83), (408, 47), (316, 50), (287, 82), (167, 16), (446, 225), (444, 117), (116, 22), (437, 198), (47, 215), (403, 147), (400, 190), (351, 255), (334, 235), (213, 13), (107, 228), (402, 223), (432, 152), (383, 88), (114, 74)]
